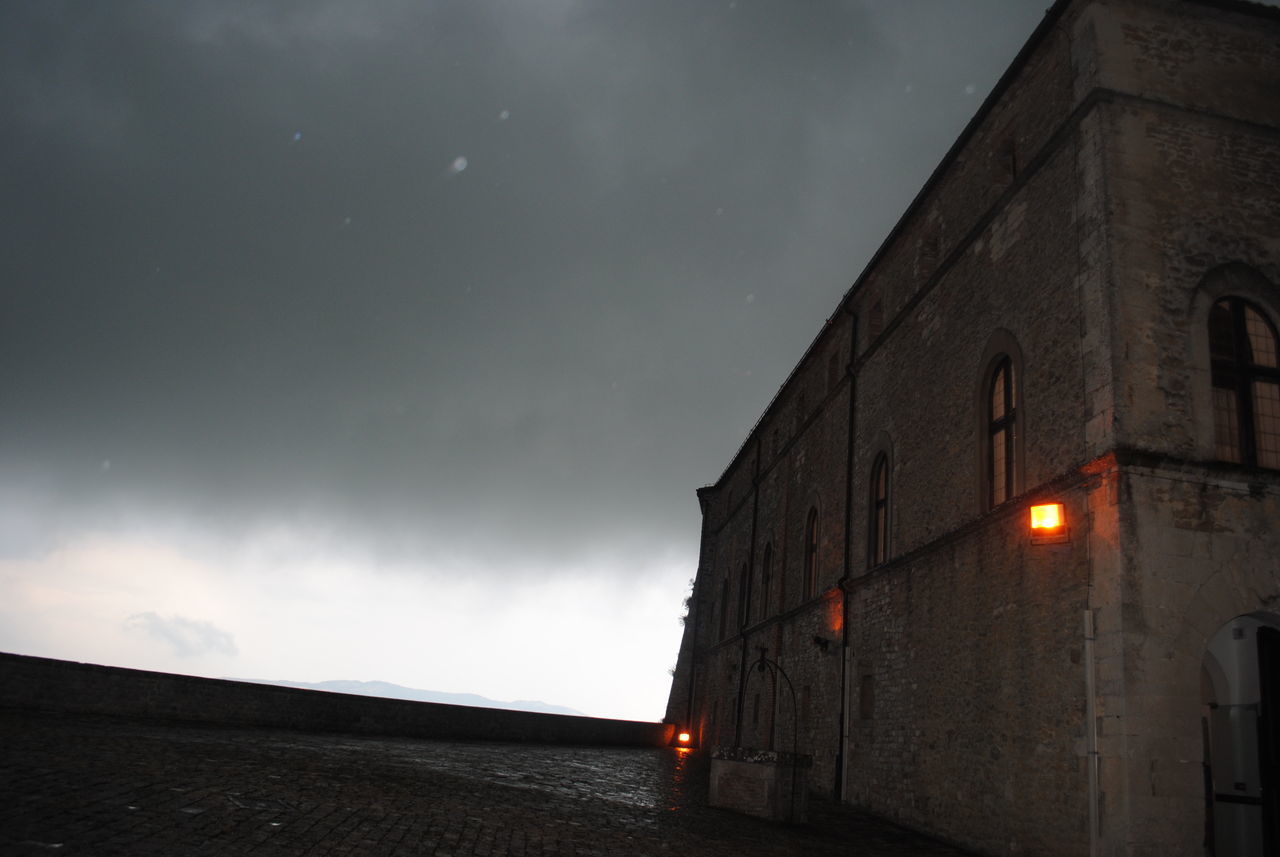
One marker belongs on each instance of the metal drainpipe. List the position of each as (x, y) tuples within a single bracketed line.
[(843, 746), (744, 599), (1091, 729), (1090, 633)]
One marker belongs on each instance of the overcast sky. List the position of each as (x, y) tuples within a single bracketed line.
[(391, 340)]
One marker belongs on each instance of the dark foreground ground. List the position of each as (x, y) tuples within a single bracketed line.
[(89, 786)]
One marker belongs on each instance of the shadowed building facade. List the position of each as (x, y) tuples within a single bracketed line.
[(1079, 308)]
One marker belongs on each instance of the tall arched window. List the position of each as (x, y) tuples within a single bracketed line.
[(1243, 349), (766, 580), (724, 609), (1002, 427), (811, 554), (744, 595), (878, 531)]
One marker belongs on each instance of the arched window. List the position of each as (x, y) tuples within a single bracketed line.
[(878, 531), (875, 321), (1002, 427), (1243, 350), (811, 554), (724, 609), (866, 697), (744, 595), (766, 579)]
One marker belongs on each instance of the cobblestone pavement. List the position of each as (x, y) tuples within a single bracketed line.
[(90, 786)]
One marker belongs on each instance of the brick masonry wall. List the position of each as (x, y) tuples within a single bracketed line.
[(919, 392), (1191, 155), (1127, 176), (53, 685), (1199, 549), (802, 451), (794, 462), (1194, 183), (1018, 129), (917, 386), (967, 717)]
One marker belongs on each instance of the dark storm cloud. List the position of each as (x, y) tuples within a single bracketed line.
[(248, 280)]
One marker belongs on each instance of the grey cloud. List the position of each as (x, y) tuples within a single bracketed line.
[(187, 638), (535, 359)]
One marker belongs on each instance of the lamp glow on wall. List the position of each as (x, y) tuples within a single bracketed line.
[(1048, 523)]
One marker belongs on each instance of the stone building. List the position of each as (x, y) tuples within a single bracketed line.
[(1080, 308)]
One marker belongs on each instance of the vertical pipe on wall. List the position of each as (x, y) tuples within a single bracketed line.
[(843, 747), (1091, 731), (745, 618)]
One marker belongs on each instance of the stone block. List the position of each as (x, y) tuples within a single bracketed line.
[(764, 783)]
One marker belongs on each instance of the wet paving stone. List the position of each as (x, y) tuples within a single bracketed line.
[(97, 786)]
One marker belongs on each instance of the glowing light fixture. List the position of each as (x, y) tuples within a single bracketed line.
[(1047, 516), (684, 738), (1048, 523)]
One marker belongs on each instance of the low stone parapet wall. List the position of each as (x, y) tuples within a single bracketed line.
[(66, 686)]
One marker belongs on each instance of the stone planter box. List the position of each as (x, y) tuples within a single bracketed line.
[(765, 783)]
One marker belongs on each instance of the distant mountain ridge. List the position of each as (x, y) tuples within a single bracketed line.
[(388, 690)]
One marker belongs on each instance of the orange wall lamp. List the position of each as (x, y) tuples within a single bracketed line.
[(1049, 524)]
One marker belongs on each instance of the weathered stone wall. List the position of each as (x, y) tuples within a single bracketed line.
[(1201, 548), (801, 450), (1191, 155), (1017, 130), (968, 715), (968, 682), (65, 686), (1194, 176), (1126, 174), (922, 388)]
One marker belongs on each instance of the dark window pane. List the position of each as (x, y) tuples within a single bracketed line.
[(882, 534), (1246, 384), (1222, 339), (766, 579), (724, 609), (1000, 434), (866, 697), (1262, 342), (811, 554), (997, 394), (1266, 421), (879, 530), (1225, 426), (998, 465)]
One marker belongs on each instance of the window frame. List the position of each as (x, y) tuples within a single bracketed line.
[(809, 572), (1230, 279), (1240, 373), (878, 512), (724, 609), (1002, 352), (1002, 431), (766, 579)]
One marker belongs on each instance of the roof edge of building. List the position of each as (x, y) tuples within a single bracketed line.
[(1051, 17)]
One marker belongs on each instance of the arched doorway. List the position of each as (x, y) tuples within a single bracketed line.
[(1240, 689)]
